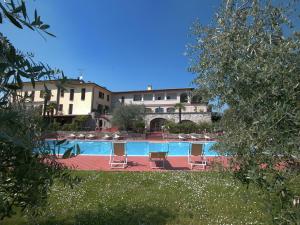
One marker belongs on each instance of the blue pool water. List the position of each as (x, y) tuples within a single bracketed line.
[(133, 148)]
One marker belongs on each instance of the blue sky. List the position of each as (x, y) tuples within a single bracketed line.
[(119, 44)]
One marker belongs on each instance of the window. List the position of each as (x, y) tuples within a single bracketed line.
[(83, 94), (62, 93), (172, 96), (137, 98), (71, 95), (170, 110), (196, 99), (107, 98), (60, 107), (159, 96), (32, 95), (101, 95), (70, 108), (123, 100), (159, 110), (42, 92), (148, 97), (184, 97)]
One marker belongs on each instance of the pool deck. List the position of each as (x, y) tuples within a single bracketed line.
[(139, 163)]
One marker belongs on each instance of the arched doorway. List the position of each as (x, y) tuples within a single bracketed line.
[(156, 124)]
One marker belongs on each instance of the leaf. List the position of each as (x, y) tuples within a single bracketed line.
[(44, 26), (61, 142), (17, 10), (0, 17), (35, 15), (24, 10), (35, 69), (50, 34), (13, 20), (67, 153), (12, 86), (9, 73)]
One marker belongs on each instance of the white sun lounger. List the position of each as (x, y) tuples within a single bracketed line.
[(196, 155), (118, 155)]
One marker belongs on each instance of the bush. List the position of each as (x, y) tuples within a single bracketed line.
[(189, 127)]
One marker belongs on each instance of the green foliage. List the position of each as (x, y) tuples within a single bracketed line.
[(70, 127), (16, 13), (80, 121), (15, 65), (180, 107), (189, 127), (54, 126), (26, 175), (129, 117), (27, 169), (249, 58)]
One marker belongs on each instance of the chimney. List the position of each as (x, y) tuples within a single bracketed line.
[(149, 87)]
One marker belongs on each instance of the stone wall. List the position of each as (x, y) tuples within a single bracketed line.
[(195, 117)]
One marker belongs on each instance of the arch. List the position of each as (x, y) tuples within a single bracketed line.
[(183, 97), (196, 99), (157, 123)]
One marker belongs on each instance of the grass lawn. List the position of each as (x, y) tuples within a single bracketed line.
[(130, 198)]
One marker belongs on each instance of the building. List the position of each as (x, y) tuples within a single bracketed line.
[(87, 98)]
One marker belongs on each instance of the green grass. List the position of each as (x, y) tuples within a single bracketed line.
[(169, 198)]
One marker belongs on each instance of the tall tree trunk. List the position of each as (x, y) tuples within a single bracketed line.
[(179, 115), (57, 100)]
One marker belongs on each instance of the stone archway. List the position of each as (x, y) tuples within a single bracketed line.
[(156, 124)]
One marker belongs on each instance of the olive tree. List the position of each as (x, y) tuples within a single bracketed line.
[(129, 117), (27, 169), (248, 58)]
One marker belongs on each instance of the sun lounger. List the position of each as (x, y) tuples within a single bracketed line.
[(116, 136), (157, 157), (118, 156), (81, 136), (208, 138), (90, 136), (196, 155), (107, 137), (194, 137), (182, 137), (72, 136)]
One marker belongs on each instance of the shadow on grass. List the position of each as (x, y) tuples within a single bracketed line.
[(119, 214)]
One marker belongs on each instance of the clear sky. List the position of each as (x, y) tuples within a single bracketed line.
[(119, 44)]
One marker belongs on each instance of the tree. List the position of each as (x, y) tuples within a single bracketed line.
[(128, 117), (249, 58), (180, 107), (25, 173)]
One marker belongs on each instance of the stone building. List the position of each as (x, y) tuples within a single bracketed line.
[(87, 98)]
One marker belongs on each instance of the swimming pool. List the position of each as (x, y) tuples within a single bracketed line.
[(134, 148)]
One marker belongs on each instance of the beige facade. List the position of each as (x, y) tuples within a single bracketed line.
[(160, 101), (87, 98), (76, 98)]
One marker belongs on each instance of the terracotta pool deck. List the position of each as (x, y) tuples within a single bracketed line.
[(138, 163)]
